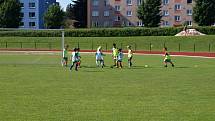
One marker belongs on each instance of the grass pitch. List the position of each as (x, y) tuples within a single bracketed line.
[(35, 87)]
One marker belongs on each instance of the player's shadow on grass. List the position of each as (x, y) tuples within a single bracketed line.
[(150, 67), (182, 67)]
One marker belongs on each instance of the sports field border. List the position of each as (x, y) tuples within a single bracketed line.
[(187, 54)]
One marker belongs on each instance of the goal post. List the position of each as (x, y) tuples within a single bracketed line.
[(62, 40)]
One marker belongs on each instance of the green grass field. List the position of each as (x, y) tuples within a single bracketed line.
[(35, 87), (202, 43)]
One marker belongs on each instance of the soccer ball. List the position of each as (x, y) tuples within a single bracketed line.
[(146, 66)]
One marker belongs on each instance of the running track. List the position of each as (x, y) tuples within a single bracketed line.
[(192, 54)]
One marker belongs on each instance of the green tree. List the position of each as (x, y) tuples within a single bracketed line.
[(78, 12), (149, 12), (204, 12), (54, 17), (10, 13)]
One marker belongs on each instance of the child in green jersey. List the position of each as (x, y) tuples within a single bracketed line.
[(130, 56), (167, 58), (114, 54), (64, 61)]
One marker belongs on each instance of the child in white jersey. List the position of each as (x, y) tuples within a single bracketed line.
[(74, 59), (64, 61), (119, 58), (99, 57)]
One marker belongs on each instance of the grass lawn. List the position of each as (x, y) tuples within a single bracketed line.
[(35, 87), (156, 43)]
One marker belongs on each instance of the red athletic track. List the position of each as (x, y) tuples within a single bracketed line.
[(200, 54)]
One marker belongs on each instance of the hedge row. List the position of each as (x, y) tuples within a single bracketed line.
[(102, 32)]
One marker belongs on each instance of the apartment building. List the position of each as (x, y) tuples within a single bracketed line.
[(177, 12), (120, 13), (33, 12)]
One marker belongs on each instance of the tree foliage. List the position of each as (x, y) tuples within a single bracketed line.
[(10, 13), (78, 12), (149, 12), (204, 12), (54, 17)]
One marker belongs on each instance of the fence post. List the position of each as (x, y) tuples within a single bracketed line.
[(35, 45), (6, 44), (150, 46), (179, 47), (21, 44), (209, 48), (194, 47), (50, 46), (135, 46), (92, 45), (164, 44)]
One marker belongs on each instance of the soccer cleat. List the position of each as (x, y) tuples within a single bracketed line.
[(173, 65), (165, 66)]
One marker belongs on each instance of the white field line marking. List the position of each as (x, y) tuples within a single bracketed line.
[(55, 52)]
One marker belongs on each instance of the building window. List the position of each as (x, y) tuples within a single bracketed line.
[(117, 7), (189, 12), (189, 23), (95, 13), (177, 18), (106, 2), (166, 23), (177, 7), (117, 18), (22, 15), (31, 14), (129, 13), (106, 24), (95, 24), (139, 2), (129, 2), (139, 23), (95, 2), (189, 1), (165, 2), (165, 13), (32, 5), (32, 24), (22, 5), (128, 23), (21, 24), (106, 13)]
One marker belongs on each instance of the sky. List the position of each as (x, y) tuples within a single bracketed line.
[(64, 3)]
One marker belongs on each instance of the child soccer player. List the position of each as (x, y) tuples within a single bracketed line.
[(64, 61), (119, 58), (130, 56), (114, 54), (99, 57), (167, 58), (79, 57), (74, 59)]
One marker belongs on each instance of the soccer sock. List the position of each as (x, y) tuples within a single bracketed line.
[(71, 66), (129, 63), (97, 63), (76, 67), (102, 63), (121, 65)]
